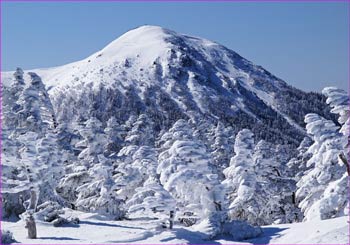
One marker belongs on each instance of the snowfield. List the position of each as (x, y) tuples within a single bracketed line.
[(95, 229)]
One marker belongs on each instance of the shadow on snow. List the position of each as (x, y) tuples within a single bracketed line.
[(57, 238), (108, 225), (267, 235)]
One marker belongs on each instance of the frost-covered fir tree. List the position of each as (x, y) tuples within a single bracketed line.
[(134, 166), (221, 149), (10, 101), (297, 166), (89, 143), (185, 170), (152, 200), (36, 106), (141, 132), (274, 184), (240, 180), (325, 150), (339, 100), (335, 199), (93, 142), (115, 136), (135, 157), (34, 156), (99, 194)]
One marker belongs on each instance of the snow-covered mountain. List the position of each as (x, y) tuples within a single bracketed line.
[(172, 131), (171, 76)]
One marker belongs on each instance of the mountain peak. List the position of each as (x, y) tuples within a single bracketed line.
[(145, 42)]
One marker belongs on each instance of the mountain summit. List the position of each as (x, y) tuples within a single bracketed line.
[(171, 76)]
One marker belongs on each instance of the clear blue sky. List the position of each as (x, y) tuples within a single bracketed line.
[(306, 44)]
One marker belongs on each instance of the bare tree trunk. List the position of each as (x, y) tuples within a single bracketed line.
[(33, 199), (171, 220), (343, 159), (294, 200), (31, 226)]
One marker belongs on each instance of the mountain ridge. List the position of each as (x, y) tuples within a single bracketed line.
[(198, 79)]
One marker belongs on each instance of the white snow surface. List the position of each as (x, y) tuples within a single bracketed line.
[(95, 229)]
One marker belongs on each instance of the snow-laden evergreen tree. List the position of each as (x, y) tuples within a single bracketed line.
[(274, 184), (335, 201), (36, 105), (221, 149), (115, 136), (152, 200), (185, 170), (135, 164), (141, 132), (240, 180), (93, 142), (49, 153), (297, 166), (99, 194), (328, 143), (34, 160), (137, 159), (10, 102), (339, 101)]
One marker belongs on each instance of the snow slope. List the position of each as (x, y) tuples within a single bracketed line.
[(94, 229), (200, 78)]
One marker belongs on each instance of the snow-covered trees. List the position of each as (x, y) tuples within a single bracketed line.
[(297, 166), (134, 165), (152, 199), (93, 142), (100, 193), (137, 159), (185, 170), (339, 101), (258, 189), (274, 184), (221, 149), (115, 136), (141, 132), (241, 180), (325, 149), (32, 165)]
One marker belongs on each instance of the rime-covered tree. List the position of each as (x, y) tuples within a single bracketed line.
[(36, 107), (339, 101), (274, 184), (221, 149), (241, 181), (335, 202), (93, 141), (141, 132), (135, 157), (185, 170), (32, 164), (152, 200), (325, 149), (10, 101), (99, 194), (134, 166), (115, 136), (297, 166)]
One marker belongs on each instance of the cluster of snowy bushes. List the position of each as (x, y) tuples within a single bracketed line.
[(195, 172)]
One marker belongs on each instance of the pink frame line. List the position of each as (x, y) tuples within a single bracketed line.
[(182, 1), (164, 1)]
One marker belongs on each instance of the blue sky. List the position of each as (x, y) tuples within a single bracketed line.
[(305, 44)]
